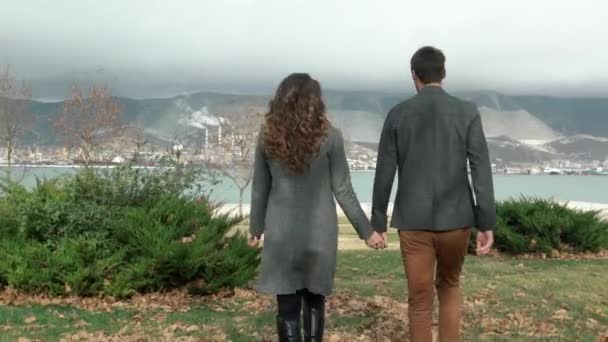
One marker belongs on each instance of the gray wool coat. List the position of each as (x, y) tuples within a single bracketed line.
[(297, 215)]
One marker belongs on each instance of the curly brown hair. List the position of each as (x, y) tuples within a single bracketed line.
[(296, 124)]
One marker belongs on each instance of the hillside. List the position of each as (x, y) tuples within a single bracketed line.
[(569, 116), (361, 114), (510, 150), (505, 149), (581, 147)]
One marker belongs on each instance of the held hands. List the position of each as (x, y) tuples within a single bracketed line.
[(254, 242), (485, 240), (376, 241)]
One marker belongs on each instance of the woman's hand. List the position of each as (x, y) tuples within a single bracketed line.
[(485, 240), (254, 241), (376, 241)]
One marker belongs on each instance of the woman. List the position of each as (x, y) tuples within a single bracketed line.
[(300, 165)]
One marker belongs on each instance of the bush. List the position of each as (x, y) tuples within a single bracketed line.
[(12, 197), (119, 232), (126, 186), (533, 225)]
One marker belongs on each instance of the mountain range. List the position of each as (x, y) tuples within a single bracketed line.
[(519, 128)]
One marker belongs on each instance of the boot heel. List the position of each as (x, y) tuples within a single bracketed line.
[(289, 331), (314, 324)]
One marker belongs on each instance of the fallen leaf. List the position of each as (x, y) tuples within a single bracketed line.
[(188, 239), (561, 315), (334, 338), (123, 330), (81, 324), (545, 329), (591, 323), (520, 294), (192, 328), (30, 319), (244, 294)]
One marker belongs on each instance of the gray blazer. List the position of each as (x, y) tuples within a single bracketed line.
[(428, 140), (297, 215)]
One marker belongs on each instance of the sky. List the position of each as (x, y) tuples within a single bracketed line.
[(151, 48)]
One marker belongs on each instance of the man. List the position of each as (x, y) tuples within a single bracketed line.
[(428, 140)]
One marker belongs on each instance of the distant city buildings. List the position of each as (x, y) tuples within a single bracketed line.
[(360, 157)]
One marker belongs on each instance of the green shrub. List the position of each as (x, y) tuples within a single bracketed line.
[(222, 262), (533, 225), (12, 198), (85, 264), (49, 220), (585, 231), (212, 256), (127, 186), (77, 266), (119, 232), (29, 267), (9, 218)]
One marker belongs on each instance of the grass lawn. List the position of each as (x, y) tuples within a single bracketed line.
[(506, 299)]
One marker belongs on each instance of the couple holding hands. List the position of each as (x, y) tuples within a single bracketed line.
[(430, 141)]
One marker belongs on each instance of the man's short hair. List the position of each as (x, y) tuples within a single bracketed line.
[(428, 64)]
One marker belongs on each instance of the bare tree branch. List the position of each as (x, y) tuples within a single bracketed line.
[(14, 116), (240, 128), (86, 122)]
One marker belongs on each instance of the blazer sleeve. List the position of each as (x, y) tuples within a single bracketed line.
[(481, 174), (260, 190), (386, 167), (342, 188)]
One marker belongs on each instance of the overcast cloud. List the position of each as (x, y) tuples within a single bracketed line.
[(157, 48)]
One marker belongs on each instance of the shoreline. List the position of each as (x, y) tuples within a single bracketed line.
[(71, 166), (574, 196), (233, 208), (111, 166)]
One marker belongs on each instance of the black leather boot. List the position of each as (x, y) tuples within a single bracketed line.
[(314, 322), (289, 331)]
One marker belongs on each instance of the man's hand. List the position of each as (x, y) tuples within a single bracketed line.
[(254, 241), (485, 240), (376, 241)]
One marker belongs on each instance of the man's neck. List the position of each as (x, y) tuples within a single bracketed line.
[(438, 84), (420, 86)]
